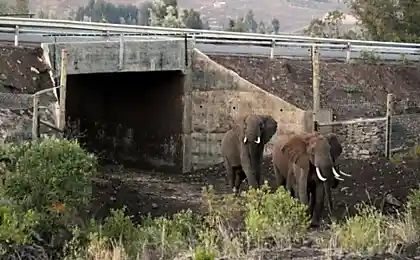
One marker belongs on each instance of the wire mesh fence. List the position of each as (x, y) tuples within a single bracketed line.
[(405, 132), (360, 140)]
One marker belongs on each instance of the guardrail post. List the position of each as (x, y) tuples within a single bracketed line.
[(121, 53), (348, 53), (193, 39), (273, 46), (388, 130), (16, 35)]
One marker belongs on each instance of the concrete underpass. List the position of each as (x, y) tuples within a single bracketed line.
[(124, 101), (134, 118)]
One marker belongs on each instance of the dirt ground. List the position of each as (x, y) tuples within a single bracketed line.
[(165, 194), (21, 70), (350, 90)]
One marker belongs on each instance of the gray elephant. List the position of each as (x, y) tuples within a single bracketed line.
[(243, 146), (305, 164)]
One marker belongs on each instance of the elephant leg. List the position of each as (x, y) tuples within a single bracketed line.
[(231, 174), (319, 205), (280, 179), (311, 195), (240, 177), (290, 183)]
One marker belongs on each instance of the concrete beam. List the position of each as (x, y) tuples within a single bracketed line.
[(123, 56)]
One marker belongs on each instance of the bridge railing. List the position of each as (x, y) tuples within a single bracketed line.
[(57, 29)]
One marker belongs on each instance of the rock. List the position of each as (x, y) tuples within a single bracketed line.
[(154, 206)]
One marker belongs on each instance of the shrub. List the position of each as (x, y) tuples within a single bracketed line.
[(413, 207), (49, 174), (51, 177), (275, 215), (17, 228), (369, 232)]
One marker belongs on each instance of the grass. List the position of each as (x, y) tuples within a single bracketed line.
[(253, 224)]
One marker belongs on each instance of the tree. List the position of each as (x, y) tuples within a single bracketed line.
[(237, 26), (388, 20), (327, 28), (316, 28), (192, 19), (22, 6), (333, 21), (165, 13), (276, 25), (143, 14), (261, 28), (250, 22)]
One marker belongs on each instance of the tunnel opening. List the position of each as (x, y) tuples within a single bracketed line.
[(133, 118)]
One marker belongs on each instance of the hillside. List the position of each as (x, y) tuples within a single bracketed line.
[(350, 90), (292, 15)]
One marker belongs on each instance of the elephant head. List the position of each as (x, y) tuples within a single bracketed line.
[(254, 132), (320, 150)]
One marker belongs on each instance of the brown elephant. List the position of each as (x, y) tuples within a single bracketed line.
[(243, 146), (305, 164)]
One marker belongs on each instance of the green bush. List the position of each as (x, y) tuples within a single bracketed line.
[(17, 228), (275, 215), (52, 178), (413, 207), (48, 173)]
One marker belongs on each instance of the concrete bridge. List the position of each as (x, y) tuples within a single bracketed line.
[(158, 103)]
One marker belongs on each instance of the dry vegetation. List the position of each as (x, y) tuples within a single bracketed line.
[(47, 187)]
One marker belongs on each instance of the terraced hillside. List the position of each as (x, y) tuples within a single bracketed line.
[(350, 90)]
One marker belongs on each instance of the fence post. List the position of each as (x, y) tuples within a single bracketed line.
[(273, 46), (63, 88), (16, 35), (35, 117), (348, 53), (315, 86), (388, 131)]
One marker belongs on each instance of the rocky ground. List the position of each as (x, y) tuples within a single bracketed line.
[(22, 73)]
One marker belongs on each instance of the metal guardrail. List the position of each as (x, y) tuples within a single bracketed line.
[(122, 28), (61, 28)]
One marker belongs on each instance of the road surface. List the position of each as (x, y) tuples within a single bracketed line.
[(225, 49)]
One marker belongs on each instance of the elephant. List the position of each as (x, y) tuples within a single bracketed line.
[(305, 163), (242, 149)]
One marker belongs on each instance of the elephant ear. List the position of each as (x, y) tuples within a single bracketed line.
[(269, 128), (336, 148), (297, 148)]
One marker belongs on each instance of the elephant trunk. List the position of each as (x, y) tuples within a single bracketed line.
[(329, 197)]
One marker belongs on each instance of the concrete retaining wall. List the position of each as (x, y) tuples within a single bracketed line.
[(219, 95)]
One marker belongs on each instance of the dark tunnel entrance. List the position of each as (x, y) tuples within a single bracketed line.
[(133, 118)]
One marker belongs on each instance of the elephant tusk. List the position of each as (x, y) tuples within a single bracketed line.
[(345, 174), (245, 140), (339, 178), (335, 173), (258, 140), (318, 173)]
